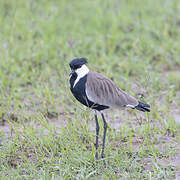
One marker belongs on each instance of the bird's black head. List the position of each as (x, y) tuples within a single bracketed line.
[(77, 63)]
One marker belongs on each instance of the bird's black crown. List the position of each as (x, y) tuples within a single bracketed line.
[(78, 62)]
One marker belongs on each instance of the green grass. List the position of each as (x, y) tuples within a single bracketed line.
[(44, 132)]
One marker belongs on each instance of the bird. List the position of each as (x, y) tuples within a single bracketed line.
[(99, 93)]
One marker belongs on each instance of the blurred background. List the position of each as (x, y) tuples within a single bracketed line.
[(135, 43)]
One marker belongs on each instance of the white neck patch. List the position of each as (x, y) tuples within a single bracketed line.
[(81, 72)]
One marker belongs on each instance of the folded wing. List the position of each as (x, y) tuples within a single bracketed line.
[(103, 91)]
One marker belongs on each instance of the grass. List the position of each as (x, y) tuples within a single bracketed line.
[(45, 133)]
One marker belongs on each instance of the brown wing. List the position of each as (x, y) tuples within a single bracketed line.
[(103, 91)]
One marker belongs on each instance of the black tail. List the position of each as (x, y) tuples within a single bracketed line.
[(143, 107)]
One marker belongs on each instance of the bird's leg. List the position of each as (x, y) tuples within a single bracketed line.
[(97, 133), (104, 136)]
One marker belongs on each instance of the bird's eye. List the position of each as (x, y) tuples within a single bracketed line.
[(77, 66)]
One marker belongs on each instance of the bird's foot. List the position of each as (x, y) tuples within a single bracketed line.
[(104, 161), (96, 156)]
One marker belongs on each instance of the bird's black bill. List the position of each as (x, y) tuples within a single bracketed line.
[(72, 72)]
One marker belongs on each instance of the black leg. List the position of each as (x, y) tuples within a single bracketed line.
[(104, 136), (97, 134)]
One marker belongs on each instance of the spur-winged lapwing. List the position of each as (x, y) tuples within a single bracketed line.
[(99, 93)]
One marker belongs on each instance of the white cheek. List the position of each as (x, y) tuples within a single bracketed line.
[(81, 72)]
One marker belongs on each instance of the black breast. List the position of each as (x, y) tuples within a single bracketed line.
[(80, 94)]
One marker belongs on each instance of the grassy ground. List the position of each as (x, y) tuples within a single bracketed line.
[(45, 133)]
